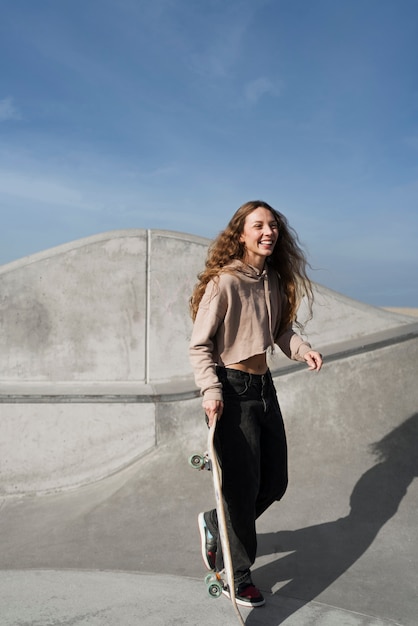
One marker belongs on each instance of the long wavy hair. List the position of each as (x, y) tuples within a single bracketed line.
[(288, 259)]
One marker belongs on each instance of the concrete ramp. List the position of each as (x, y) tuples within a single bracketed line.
[(340, 550), (93, 353)]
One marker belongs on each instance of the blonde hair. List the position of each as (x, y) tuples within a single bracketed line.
[(288, 259)]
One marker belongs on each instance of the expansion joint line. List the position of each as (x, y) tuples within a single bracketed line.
[(147, 305)]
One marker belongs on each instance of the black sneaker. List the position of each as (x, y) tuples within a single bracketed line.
[(208, 543), (246, 594)]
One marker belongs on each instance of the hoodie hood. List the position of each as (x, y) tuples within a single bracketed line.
[(247, 270)]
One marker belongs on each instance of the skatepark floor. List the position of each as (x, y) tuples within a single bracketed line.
[(126, 550), (340, 549)]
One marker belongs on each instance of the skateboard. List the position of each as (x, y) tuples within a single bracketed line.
[(217, 581)]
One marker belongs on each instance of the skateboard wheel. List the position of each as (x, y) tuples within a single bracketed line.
[(209, 578), (197, 461), (215, 589)]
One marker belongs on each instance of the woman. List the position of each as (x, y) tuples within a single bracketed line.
[(246, 302)]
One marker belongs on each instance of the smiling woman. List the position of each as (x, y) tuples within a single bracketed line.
[(246, 301)]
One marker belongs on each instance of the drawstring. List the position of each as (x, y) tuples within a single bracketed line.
[(268, 305)]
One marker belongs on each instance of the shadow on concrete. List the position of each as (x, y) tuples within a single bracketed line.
[(320, 554)]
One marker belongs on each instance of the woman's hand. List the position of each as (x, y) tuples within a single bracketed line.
[(314, 360), (213, 410)]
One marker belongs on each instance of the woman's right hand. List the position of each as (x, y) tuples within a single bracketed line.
[(213, 410)]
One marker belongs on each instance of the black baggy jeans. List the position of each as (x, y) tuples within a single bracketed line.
[(251, 445)]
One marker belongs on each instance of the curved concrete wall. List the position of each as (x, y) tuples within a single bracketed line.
[(106, 308), (93, 354)]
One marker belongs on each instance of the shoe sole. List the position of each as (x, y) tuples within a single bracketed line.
[(246, 603), (202, 525)]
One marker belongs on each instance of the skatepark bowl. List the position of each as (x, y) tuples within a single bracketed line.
[(99, 416)]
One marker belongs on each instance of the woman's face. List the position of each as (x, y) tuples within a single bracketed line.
[(259, 236)]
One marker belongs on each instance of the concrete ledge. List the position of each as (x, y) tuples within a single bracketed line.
[(130, 392), (183, 389)]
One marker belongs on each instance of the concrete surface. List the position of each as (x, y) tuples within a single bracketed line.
[(92, 331), (106, 599), (93, 344), (341, 549), (106, 308)]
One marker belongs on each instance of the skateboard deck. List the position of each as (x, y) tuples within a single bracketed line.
[(217, 581)]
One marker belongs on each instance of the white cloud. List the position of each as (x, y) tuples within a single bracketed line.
[(256, 89), (218, 53), (221, 54), (37, 188), (8, 111)]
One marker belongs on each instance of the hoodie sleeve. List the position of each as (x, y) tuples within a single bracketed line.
[(203, 349), (289, 342), (292, 345)]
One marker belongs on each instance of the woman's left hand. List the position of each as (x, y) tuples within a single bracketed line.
[(314, 360)]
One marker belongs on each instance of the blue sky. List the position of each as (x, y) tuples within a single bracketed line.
[(169, 114)]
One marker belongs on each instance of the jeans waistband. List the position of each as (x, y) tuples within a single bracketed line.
[(229, 372)]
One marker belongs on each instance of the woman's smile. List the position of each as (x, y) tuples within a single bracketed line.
[(259, 236)]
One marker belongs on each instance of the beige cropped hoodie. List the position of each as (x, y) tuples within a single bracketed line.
[(239, 316)]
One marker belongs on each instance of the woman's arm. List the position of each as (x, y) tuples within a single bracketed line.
[(202, 350), (295, 348)]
